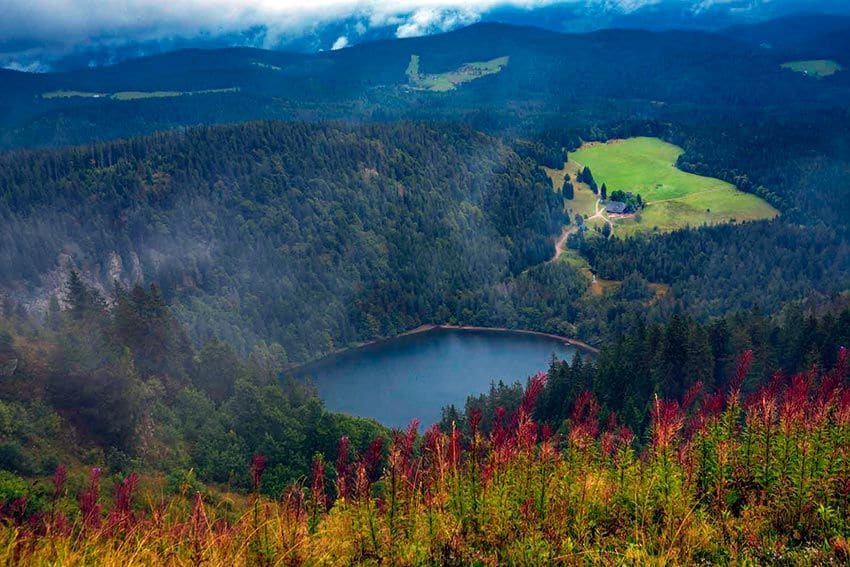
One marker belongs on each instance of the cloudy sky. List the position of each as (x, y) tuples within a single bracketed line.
[(34, 32)]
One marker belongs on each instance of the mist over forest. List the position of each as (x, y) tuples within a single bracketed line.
[(215, 217)]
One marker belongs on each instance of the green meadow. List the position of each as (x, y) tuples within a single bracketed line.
[(442, 82), (814, 68), (675, 199), (72, 94), (133, 95)]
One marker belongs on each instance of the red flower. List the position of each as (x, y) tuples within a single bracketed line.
[(371, 459), (532, 392), (257, 466), (741, 371), (88, 500), (342, 468), (317, 488), (667, 420), (583, 420), (474, 420), (59, 478), (121, 514)]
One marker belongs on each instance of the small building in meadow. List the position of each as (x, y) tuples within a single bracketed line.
[(616, 207)]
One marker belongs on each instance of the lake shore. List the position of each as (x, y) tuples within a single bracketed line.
[(581, 345), (567, 340)]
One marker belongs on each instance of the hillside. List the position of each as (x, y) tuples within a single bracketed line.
[(316, 237), (187, 238), (558, 70), (721, 478)]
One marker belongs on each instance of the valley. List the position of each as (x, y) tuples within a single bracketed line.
[(432, 289)]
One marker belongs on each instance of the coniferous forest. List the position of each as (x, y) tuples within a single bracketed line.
[(182, 234)]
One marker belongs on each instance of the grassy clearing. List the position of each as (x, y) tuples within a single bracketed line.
[(814, 68), (676, 199), (584, 201), (643, 165), (442, 82), (136, 95), (133, 95)]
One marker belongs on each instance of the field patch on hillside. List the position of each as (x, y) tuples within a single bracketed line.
[(133, 95), (442, 82), (675, 199), (72, 94), (814, 68)]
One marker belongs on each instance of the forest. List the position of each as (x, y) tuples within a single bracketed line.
[(313, 236), (115, 381), (168, 262), (721, 477)]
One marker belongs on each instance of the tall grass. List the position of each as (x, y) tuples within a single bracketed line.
[(719, 479)]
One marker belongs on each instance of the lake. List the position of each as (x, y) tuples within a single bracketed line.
[(414, 376)]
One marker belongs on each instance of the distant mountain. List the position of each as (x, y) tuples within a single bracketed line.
[(546, 71), (37, 54), (799, 32)]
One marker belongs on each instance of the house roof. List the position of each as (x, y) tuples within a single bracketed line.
[(616, 207)]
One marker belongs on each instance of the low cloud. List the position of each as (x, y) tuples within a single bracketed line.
[(433, 20), (59, 27)]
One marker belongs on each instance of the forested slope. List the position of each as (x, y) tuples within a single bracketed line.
[(315, 236), (120, 386)]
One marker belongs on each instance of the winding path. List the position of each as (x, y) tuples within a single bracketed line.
[(561, 243), (600, 214)]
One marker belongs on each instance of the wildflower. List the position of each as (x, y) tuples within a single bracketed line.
[(372, 457), (842, 412), (709, 410), (842, 363), (317, 488), (526, 432), (546, 432), (121, 514), (293, 502), (532, 391), (795, 401), (474, 420), (60, 475), (199, 524), (666, 422), (609, 437), (257, 467), (88, 500), (741, 371), (17, 508), (692, 395), (342, 468), (583, 421), (361, 481), (500, 433), (454, 448), (762, 404)]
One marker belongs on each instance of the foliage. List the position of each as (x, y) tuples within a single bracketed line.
[(720, 478), (315, 237), (118, 384)]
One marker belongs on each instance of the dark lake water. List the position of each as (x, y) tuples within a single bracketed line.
[(416, 375)]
